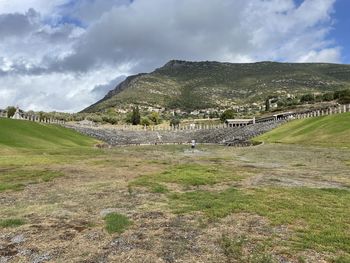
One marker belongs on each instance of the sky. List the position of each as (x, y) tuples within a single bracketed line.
[(63, 55)]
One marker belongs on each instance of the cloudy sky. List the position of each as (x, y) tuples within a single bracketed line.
[(64, 55)]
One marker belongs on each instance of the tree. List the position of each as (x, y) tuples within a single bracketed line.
[(343, 96), (155, 118), (213, 115), (307, 98), (270, 99), (267, 104), (318, 98), (329, 96), (145, 121), (11, 111), (135, 117), (227, 114), (43, 116), (175, 122), (110, 119)]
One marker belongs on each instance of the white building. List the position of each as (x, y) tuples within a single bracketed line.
[(239, 122), (17, 115)]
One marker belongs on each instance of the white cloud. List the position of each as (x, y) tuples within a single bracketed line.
[(45, 53), (54, 91), (21, 6), (328, 54)]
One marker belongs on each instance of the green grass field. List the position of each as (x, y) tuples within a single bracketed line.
[(329, 131), (31, 135), (285, 201), (29, 149)]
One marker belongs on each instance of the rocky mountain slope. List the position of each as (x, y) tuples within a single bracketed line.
[(199, 85)]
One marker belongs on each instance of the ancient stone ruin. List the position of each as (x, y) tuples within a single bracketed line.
[(234, 133)]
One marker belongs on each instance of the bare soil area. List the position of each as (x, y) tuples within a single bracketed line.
[(63, 218)]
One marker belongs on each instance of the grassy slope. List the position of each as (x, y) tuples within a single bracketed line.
[(324, 131), (28, 150), (30, 135)]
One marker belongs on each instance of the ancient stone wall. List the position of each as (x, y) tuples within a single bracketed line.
[(203, 134)]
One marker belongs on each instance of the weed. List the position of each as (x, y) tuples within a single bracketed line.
[(234, 251), (301, 259), (18, 179), (116, 223), (232, 248), (342, 259), (158, 188), (13, 222), (187, 175), (130, 190), (261, 258), (282, 206)]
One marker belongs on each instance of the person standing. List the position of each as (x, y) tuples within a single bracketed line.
[(193, 144)]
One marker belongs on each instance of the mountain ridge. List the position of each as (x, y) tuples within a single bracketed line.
[(189, 85)]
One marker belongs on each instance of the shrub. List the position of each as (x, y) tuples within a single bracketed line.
[(145, 121), (155, 118)]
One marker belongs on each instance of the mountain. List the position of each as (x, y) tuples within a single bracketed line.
[(198, 85)]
